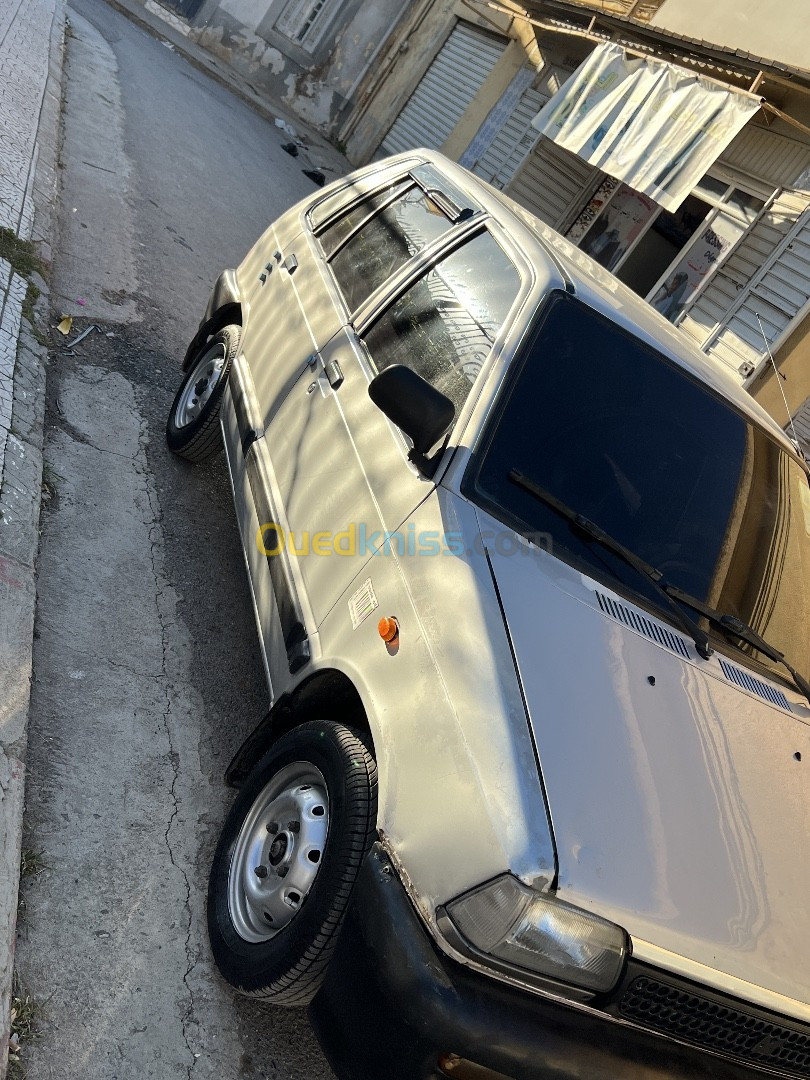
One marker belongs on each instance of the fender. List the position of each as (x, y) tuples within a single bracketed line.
[(326, 687), (224, 306)]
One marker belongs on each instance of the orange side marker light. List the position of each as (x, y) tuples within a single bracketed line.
[(388, 629)]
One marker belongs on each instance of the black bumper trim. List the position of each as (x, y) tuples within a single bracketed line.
[(392, 1004)]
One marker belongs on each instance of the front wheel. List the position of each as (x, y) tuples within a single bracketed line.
[(287, 859), (192, 430)]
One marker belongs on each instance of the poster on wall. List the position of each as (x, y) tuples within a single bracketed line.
[(683, 280), (592, 211), (617, 226)]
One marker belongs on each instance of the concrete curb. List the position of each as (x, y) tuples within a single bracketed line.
[(164, 25), (20, 499)]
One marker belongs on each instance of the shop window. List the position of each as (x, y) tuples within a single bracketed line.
[(683, 280), (722, 228), (665, 257), (618, 226), (661, 245)]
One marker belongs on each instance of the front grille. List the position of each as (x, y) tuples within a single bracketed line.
[(715, 1026)]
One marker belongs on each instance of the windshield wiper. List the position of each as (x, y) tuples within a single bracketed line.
[(729, 623), (737, 628), (591, 529)]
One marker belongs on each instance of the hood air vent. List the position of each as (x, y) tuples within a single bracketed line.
[(642, 625), (748, 682)]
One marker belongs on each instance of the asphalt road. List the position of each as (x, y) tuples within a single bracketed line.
[(147, 669)]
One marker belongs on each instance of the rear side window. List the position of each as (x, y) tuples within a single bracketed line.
[(357, 185), (384, 244), (333, 237), (444, 325)]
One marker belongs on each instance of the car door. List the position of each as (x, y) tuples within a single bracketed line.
[(333, 473), (342, 469), (317, 472), (444, 323), (286, 436)]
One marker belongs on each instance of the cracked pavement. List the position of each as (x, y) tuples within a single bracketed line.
[(147, 673)]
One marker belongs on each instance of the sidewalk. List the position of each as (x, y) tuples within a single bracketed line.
[(31, 43), (316, 153)]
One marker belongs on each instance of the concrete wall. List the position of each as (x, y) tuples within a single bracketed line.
[(774, 31), (793, 361)]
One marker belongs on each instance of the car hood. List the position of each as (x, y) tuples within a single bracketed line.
[(678, 798)]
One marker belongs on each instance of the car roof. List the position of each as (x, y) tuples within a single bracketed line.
[(602, 291)]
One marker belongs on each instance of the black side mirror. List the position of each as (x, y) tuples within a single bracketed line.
[(416, 407)]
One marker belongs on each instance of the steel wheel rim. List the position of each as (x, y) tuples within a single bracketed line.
[(200, 385), (278, 852)]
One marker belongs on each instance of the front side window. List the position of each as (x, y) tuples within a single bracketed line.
[(444, 325), (388, 239), (666, 467)]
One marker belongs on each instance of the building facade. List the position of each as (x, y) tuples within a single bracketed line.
[(308, 54), (731, 264)]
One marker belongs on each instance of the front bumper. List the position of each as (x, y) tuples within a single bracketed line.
[(393, 1005)]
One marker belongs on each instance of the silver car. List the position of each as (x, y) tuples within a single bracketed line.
[(531, 581)]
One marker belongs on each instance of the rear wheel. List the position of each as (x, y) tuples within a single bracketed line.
[(287, 860), (192, 430)]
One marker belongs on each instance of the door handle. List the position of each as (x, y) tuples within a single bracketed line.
[(334, 374)]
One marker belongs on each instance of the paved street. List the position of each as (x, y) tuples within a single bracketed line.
[(147, 667)]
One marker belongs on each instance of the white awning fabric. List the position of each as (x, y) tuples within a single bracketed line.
[(656, 126)]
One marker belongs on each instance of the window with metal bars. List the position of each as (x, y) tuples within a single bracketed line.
[(304, 21)]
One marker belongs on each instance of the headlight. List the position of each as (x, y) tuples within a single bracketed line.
[(539, 933)]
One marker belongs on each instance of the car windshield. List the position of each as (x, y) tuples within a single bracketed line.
[(659, 461)]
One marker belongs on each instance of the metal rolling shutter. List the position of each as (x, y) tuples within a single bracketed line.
[(771, 157), (801, 422), (513, 141), (551, 182), (455, 76), (769, 273)]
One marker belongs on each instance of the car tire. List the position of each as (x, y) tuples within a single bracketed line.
[(287, 859), (192, 430)]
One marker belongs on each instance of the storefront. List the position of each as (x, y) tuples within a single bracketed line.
[(730, 264)]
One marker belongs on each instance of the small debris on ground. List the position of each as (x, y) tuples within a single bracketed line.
[(65, 324), (290, 148), (288, 129), (315, 175), (82, 335)]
